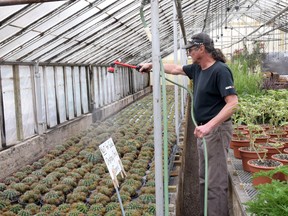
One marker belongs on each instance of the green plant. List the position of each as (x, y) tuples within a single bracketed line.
[(271, 200), (10, 194)]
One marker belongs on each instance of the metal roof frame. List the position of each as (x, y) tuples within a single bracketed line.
[(100, 31)]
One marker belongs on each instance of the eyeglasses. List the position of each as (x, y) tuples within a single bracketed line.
[(195, 48)]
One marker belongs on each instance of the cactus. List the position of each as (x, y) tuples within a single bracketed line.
[(125, 197), (53, 198), (42, 188), (112, 206), (98, 198), (10, 180), (30, 179), (10, 194), (30, 196), (16, 208), (47, 208), (20, 187), (76, 197), (81, 207), (65, 207), (97, 209), (133, 212), (147, 198), (2, 187), (32, 208), (134, 205), (24, 213), (114, 213)]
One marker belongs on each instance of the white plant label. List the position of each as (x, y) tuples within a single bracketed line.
[(111, 158)]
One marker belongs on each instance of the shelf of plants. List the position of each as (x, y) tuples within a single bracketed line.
[(258, 155), (72, 179)]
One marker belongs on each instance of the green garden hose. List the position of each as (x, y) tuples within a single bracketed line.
[(162, 74)]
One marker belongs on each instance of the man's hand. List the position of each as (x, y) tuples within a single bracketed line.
[(202, 130), (145, 67)]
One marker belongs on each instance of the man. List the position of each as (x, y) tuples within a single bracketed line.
[(215, 100)]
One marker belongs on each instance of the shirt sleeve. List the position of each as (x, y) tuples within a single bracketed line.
[(189, 70), (225, 82)]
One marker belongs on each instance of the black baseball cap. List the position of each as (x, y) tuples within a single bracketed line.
[(198, 39)]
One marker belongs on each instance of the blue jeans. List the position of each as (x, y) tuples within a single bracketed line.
[(217, 142)]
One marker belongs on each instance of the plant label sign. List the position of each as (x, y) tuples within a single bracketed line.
[(112, 159)]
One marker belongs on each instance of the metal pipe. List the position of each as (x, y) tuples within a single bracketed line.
[(180, 19), (17, 2), (157, 107), (175, 32)]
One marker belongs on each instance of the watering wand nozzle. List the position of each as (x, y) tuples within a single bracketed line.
[(111, 69)]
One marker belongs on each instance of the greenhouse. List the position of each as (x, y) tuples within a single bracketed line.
[(142, 108)]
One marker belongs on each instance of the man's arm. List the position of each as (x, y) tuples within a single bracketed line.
[(168, 68), (224, 114)]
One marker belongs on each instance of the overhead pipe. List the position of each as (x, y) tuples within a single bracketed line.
[(16, 2), (180, 19)]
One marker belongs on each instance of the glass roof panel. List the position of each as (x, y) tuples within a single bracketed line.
[(8, 10), (87, 26), (6, 32), (106, 3), (79, 19), (61, 16), (40, 11), (16, 43)]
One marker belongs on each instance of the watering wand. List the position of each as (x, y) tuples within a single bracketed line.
[(111, 69)]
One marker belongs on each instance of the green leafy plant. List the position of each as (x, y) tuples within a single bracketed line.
[(271, 200)]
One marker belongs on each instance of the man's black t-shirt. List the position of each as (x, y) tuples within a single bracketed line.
[(210, 87)]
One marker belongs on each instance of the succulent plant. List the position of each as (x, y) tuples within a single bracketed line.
[(8, 213), (24, 213), (112, 206), (80, 206), (16, 208), (53, 197), (133, 212), (147, 198), (10, 179), (64, 208), (83, 189), (97, 209), (113, 213), (75, 212), (74, 175), (89, 183), (98, 198), (69, 181), (76, 197), (10, 194), (63, 170), (125, 197), (31, 196), (20, 187), (47, 208), (4, 204), (134, 205), (148, 190), (94, 157), (32, 208), (2, 187), (106, 190)]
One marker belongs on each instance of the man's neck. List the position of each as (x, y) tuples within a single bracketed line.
[(206, 63)]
